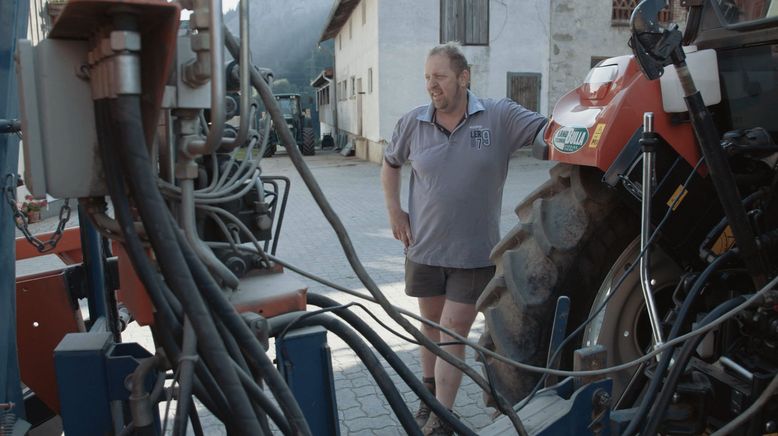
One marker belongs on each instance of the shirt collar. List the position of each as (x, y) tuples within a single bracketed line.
[(473, 107)]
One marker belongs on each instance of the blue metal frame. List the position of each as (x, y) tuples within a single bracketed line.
[(304, 360), (91, 373), (94, 265), (13, 25)]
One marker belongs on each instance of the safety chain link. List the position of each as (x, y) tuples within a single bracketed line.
[(23, 224)]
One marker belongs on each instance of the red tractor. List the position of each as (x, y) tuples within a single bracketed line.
[(660, 220)]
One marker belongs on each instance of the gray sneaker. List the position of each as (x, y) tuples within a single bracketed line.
[(423, 414), (436, 427)]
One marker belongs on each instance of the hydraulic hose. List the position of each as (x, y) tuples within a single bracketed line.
[(154, 212), (135, 250), (185, 378), (340, 230), (684, 355), (226, 312), (187, 213), (140, 402), (165, 317), (664, 363), (264, 403), (391, 357), (373, 365), (242, 368)]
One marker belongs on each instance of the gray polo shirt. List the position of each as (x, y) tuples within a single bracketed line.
[(457, 180)]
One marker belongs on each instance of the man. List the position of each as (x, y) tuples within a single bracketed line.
[(459, 147)]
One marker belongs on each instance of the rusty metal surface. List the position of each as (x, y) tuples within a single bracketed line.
[(44, 315), (269, 294), (158, 28)]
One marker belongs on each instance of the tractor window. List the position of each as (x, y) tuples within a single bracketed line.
[(288, 106), (742, 11), (749, 86)]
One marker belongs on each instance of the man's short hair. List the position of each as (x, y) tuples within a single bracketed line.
[(453, 51)]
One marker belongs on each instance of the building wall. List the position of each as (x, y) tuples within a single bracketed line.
[(356, 51), (408, 29), (326, 118), (582, 29)]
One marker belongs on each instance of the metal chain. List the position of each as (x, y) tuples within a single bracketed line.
[(22, 223)]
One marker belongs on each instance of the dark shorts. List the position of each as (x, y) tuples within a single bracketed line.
[(463, 285)]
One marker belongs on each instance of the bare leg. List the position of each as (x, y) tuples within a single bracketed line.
[(458, 317), (430, 308)]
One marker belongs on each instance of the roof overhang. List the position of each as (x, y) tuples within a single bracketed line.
[(340, 13), (323, 79)]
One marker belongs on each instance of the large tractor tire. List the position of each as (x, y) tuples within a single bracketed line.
[(309, 142), (270, 147), (570, 231), (270, 150)]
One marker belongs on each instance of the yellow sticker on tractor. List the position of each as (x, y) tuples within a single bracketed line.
[(725, 241), (596, 136), (675, 200)]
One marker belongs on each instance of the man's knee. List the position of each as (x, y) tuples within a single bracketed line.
[(458, 325)]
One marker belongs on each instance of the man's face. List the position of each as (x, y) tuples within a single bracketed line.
[(444, 87)]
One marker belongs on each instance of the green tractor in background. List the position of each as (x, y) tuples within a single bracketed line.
[(299, 123)]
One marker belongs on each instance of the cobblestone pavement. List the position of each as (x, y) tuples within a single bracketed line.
[(307, 240)]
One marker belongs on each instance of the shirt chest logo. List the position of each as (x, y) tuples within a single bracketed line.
[(480, 137)]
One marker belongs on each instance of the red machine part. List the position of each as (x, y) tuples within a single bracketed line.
[(591, 124), (44, 315), (68, 248), (45, 312)]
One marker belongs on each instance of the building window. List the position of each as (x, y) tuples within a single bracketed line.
[(369, 80), (466, 21), (350, 28), (524, 89), (364, 12), (353, 86), (340, 41), (622, 11)]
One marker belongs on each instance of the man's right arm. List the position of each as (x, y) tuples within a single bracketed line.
[(398, 218)]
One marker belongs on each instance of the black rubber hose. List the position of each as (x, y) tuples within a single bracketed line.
[(166, 318), (264, 403), (185, 379), (197, 426), (245, 338), (391, 357), (684, 355), (365, 354), (212, 398), (232, 346), (135, 160), (348, 248), (242, 366), (135, 250), (664, 363)]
